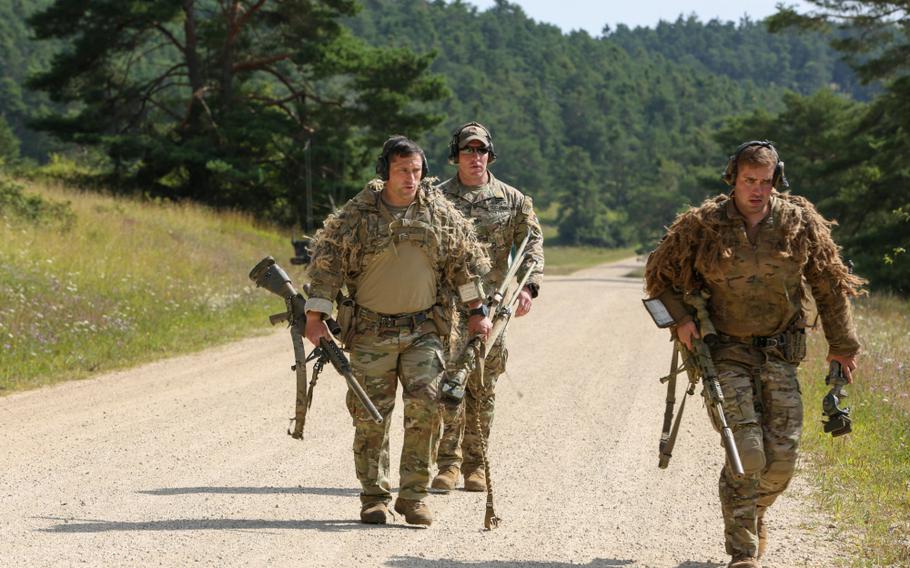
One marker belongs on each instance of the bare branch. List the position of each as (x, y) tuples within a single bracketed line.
[(255, 64), (164, 109), (303, 91), (167, 33)]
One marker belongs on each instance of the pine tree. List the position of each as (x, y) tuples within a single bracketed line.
[(230, 102)]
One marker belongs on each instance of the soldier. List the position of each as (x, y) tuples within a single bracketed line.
[(402, 251), (750, 252), (502, 217)]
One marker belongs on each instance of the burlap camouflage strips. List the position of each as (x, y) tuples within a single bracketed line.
[(350, 240), (355, 235), (757, 288)]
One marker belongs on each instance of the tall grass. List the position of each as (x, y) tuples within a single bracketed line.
[(122, 282), (568, 259), (864, 477), (565, 259)]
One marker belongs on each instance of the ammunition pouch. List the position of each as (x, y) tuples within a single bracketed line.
[(347, 321), (794, 347)]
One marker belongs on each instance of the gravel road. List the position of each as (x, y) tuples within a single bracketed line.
[(185, 462)]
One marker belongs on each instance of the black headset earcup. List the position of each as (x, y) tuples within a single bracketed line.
[(453, 146), (382, 168)]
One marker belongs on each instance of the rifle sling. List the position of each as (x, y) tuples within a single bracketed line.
[(301, 396)]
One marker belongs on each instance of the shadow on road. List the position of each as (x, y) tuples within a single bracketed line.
[(628, 281), (413, 562), (331, 491), (73, 526)]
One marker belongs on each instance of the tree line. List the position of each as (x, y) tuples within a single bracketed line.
[(279, 108)]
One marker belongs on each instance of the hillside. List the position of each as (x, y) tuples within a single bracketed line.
[(617, 132), (618, 129), (92, 283)]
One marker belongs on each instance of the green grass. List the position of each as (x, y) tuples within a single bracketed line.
[(90, 283), (863, 478), (125, 282), (567, 259)]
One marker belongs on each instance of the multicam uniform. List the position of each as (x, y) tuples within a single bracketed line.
[(756, 293), (399, 266), (502, 217)]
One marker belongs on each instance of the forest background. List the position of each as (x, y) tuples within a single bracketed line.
[(150, 148), (279, 108)]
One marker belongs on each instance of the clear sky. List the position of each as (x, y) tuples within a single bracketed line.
[(591, 15)]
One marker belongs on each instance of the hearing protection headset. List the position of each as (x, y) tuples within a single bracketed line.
[(729, 175), (453, 145), (400, 145)]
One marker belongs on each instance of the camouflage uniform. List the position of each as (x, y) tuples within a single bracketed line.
[(382, 351), (502, 217), (756, 294)]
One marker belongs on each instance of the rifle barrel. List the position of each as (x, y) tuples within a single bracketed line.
[(340, 362)]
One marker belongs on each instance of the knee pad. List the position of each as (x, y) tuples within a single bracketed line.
[(751, 449), (779, 472)]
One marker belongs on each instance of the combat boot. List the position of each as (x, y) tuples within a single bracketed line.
[(415, 512), (762, 537), (744, 561), (475, 480), (374, 512), (446, 478)]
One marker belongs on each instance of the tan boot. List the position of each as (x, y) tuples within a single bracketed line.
[(762, 537), (475, 480), (446, 478), (374, 513), (743, 561), (415, 512)]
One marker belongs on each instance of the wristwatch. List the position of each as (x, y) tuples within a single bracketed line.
[(482, 310)]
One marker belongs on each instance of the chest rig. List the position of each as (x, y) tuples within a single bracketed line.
[(379, 230)]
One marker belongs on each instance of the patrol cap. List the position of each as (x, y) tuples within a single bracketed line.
[(473, 132)]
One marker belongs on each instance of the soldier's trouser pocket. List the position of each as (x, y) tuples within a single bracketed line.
[(739, 408)]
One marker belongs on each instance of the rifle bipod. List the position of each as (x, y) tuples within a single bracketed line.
[(320, 359)]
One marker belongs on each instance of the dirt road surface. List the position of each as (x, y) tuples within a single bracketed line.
[(185, 462)]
